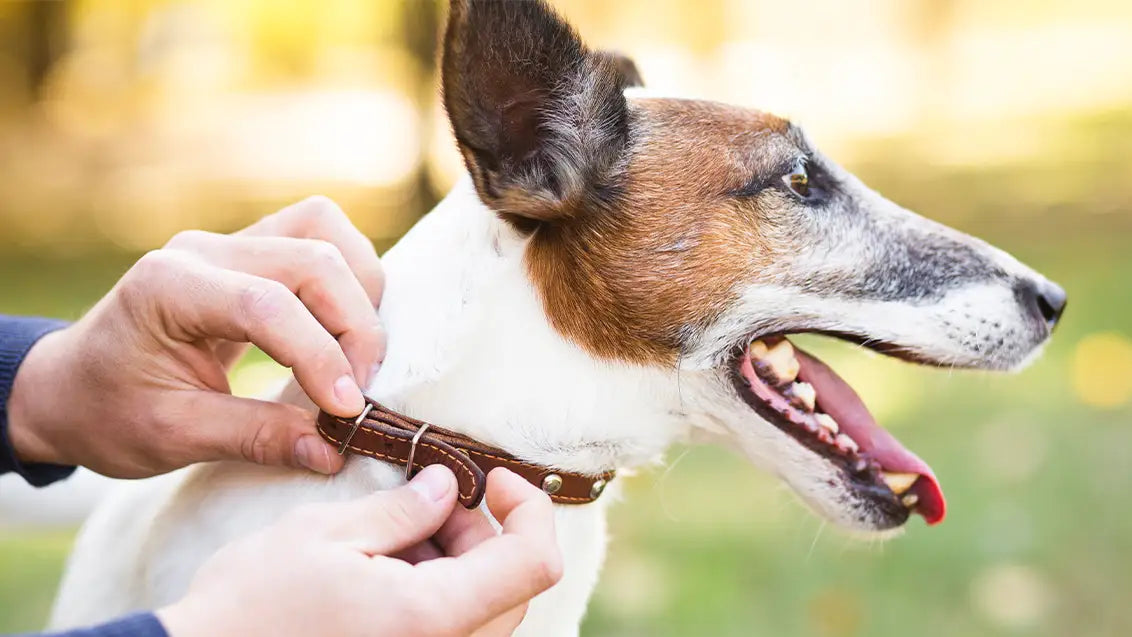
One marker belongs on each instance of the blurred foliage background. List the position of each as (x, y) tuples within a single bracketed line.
[(123, 122)]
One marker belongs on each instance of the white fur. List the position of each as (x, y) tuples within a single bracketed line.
[(469, 348)]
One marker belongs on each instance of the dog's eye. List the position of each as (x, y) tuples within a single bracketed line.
[(799, 181)]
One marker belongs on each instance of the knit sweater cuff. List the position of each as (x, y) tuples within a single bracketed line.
[(17, 335)]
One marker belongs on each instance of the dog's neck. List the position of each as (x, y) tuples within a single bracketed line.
[(470, 349)]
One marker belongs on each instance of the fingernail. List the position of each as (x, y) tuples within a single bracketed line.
[(349, 395), (312, 453), (433, 482)]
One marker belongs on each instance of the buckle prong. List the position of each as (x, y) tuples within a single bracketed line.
[(353, 430), (413, 450)]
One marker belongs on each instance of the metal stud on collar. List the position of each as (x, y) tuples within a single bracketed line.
[(597, 488), (552, 483), (353, 430)]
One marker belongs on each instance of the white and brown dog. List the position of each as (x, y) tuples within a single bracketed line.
[(615, 275)]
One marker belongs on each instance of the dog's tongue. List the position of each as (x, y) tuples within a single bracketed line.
[(838, 399)]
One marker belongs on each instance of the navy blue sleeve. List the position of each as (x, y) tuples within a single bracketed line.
[(17, 335), (139, 625)]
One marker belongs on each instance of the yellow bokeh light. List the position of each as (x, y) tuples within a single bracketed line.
[(1102, 370)]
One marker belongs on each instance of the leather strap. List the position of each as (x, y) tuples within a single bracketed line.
[(387, 435)]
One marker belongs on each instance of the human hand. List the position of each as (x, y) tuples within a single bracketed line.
[(139, 385), (325, 569)]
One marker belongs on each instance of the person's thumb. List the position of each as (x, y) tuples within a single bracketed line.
[(388, 521), (231, 428)]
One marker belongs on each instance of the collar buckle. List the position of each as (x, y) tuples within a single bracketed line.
[(413, 450), (353, 430)]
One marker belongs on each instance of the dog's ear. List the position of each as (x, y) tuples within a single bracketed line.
[(625, 65), (540, 119)]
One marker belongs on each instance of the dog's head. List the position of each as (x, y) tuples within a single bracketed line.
[(693, 235)]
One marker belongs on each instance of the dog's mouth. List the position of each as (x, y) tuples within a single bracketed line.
[(808, 401)]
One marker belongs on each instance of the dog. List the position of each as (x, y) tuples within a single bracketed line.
[(614, 274)]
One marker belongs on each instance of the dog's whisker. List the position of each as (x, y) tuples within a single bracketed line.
[(658, 487), (814, 542)]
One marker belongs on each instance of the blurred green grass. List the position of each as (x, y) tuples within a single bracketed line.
[(1038, 540), (30, 565)]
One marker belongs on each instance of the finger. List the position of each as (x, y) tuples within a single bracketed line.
[(521, 562), (228, 353), (195, 301), (320, 218), (520, 507), (313, 270), (391, 521), (223, 427), (464, 530), (424, 551), (503, 625)]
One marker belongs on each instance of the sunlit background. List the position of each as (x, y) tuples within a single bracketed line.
[(123, 122)]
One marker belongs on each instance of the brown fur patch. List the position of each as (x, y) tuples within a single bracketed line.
[(636, 278)]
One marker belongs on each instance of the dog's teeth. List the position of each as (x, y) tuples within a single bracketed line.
[(827, 421), (847, 443), (782, 364), (899, 482), (757, 350), (909, 500), (803, 395), (824, 436)]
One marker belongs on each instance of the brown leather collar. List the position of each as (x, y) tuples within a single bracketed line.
[(387, 435)]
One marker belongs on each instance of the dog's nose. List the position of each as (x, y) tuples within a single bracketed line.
[(1045, 299)]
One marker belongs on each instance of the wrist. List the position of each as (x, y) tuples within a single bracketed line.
[(176, 620), (32, 402), (188, 617)]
